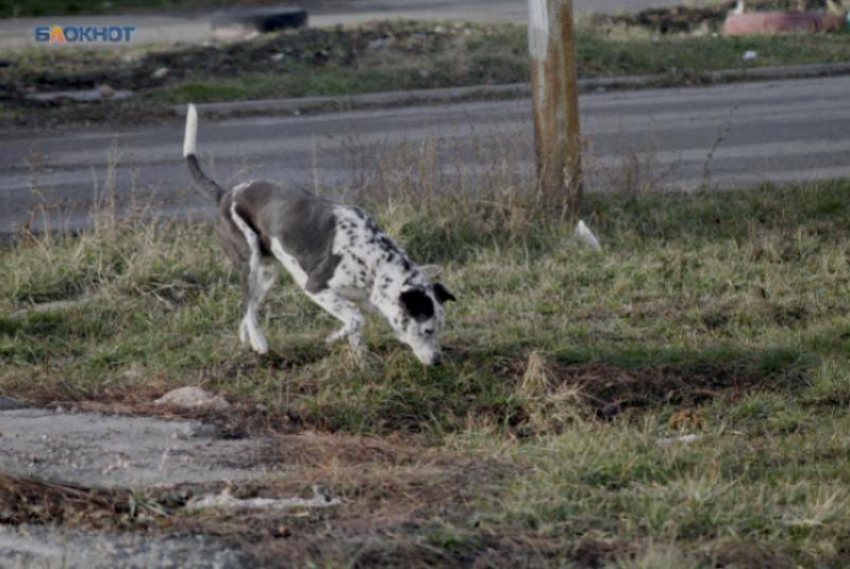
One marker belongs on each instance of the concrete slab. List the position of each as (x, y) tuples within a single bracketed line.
[(101, 450)]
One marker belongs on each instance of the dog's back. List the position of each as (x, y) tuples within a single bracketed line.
[(302, 223)]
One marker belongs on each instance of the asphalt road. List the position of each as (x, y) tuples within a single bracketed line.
[(729, 136), (172, 28)]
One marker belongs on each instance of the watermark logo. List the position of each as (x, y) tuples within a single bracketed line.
[(84, 34)]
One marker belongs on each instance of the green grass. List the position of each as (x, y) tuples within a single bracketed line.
[(372, 58), (721, 315)]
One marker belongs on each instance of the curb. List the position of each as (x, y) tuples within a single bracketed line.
[(513, 91)]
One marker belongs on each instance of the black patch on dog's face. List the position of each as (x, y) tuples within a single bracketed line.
[(417, 304), (442, 294)]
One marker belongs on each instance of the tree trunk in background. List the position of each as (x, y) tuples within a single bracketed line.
[(554, 86)]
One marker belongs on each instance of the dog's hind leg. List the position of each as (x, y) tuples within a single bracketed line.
[(257, 279), (348, 313), (255, 286)]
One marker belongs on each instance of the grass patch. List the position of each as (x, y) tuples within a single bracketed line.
[(721, 316), (696, 298), (374, 57)]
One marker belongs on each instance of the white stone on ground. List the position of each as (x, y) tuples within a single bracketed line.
[(192, 398)]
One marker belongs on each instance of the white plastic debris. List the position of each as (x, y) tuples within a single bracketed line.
[(106, 91), (684, 439), (750, 55), (431, 272), (379, 44), (586, 236), (192, 398), (225, 500)]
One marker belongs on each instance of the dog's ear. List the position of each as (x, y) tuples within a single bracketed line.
[(417, 304), (442, 293), (431, 272)]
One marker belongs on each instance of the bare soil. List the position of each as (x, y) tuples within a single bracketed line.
[(75, 479)]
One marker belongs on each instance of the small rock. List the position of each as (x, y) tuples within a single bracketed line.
[(192, 398), (205, 431), (133, 373), (611, 410), (196, 431), (378, 44), (160, 73), (684, 439), (750, 55), (133, 57), (106, 91), (278, 57), (439, 30)]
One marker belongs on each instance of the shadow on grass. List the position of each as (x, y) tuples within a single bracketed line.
[(508, 391)]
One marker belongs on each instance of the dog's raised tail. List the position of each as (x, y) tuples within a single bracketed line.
[(190, 145)]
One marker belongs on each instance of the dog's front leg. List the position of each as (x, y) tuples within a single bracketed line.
[(350, 316)]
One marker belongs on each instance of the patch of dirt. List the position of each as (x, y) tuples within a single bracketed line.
[(609, 390), (309, 46), (396, 498), (678, 19), (598, 553), (730, 553), (29, 501)]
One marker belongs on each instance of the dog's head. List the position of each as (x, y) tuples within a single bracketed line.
[(421, 318)]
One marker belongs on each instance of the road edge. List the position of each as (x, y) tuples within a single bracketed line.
[(444, 95)]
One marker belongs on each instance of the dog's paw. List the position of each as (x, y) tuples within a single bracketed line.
[(336, 336), (260, 345)]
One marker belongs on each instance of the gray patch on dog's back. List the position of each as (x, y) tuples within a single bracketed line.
[(304, 223)]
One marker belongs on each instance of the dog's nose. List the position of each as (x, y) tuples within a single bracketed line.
[(436, 360)]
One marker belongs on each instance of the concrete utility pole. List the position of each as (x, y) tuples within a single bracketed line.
[(554, 87)]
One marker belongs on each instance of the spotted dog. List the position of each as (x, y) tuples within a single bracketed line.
[(336, 253)]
